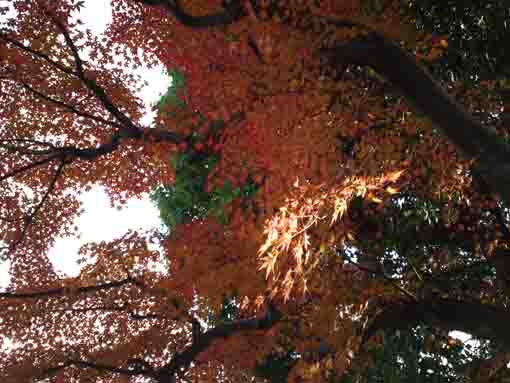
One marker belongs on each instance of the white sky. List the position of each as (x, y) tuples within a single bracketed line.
[(100, 222)]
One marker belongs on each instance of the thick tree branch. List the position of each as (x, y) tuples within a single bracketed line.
[(481, 320), (233, 12), (182, 360), (417, 84)]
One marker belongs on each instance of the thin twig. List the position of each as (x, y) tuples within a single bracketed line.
[(62, 291), (29, 166), (392, 281), (38, 54), (70, 108)]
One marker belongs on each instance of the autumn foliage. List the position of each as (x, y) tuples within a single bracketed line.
[(312, 175)]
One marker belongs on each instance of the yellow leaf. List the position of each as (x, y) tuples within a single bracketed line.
[(374, 198), (394, 176)]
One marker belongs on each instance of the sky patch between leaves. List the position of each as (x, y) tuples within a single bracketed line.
[(100, 221)]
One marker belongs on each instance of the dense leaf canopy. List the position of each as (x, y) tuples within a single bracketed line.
[(333, 177)]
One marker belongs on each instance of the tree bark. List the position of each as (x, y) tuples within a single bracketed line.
[(480, 320), (475, 141)]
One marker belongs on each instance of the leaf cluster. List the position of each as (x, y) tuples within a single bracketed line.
[(420, 355), (475, 31), (187, 198), (173, 95)]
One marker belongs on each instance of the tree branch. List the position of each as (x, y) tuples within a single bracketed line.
[(380, 273), (133, 371), (24, 149), (29, 166), (233, 12), (481, 320), (128, 128), (122, 308), (70, 108), (30, 142), (69, 42), (181, 361), (38, 54), (61, 291), (110, 308), (30, 218), (417, 84)]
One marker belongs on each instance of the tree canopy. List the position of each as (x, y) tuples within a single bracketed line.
[(333, 176)]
